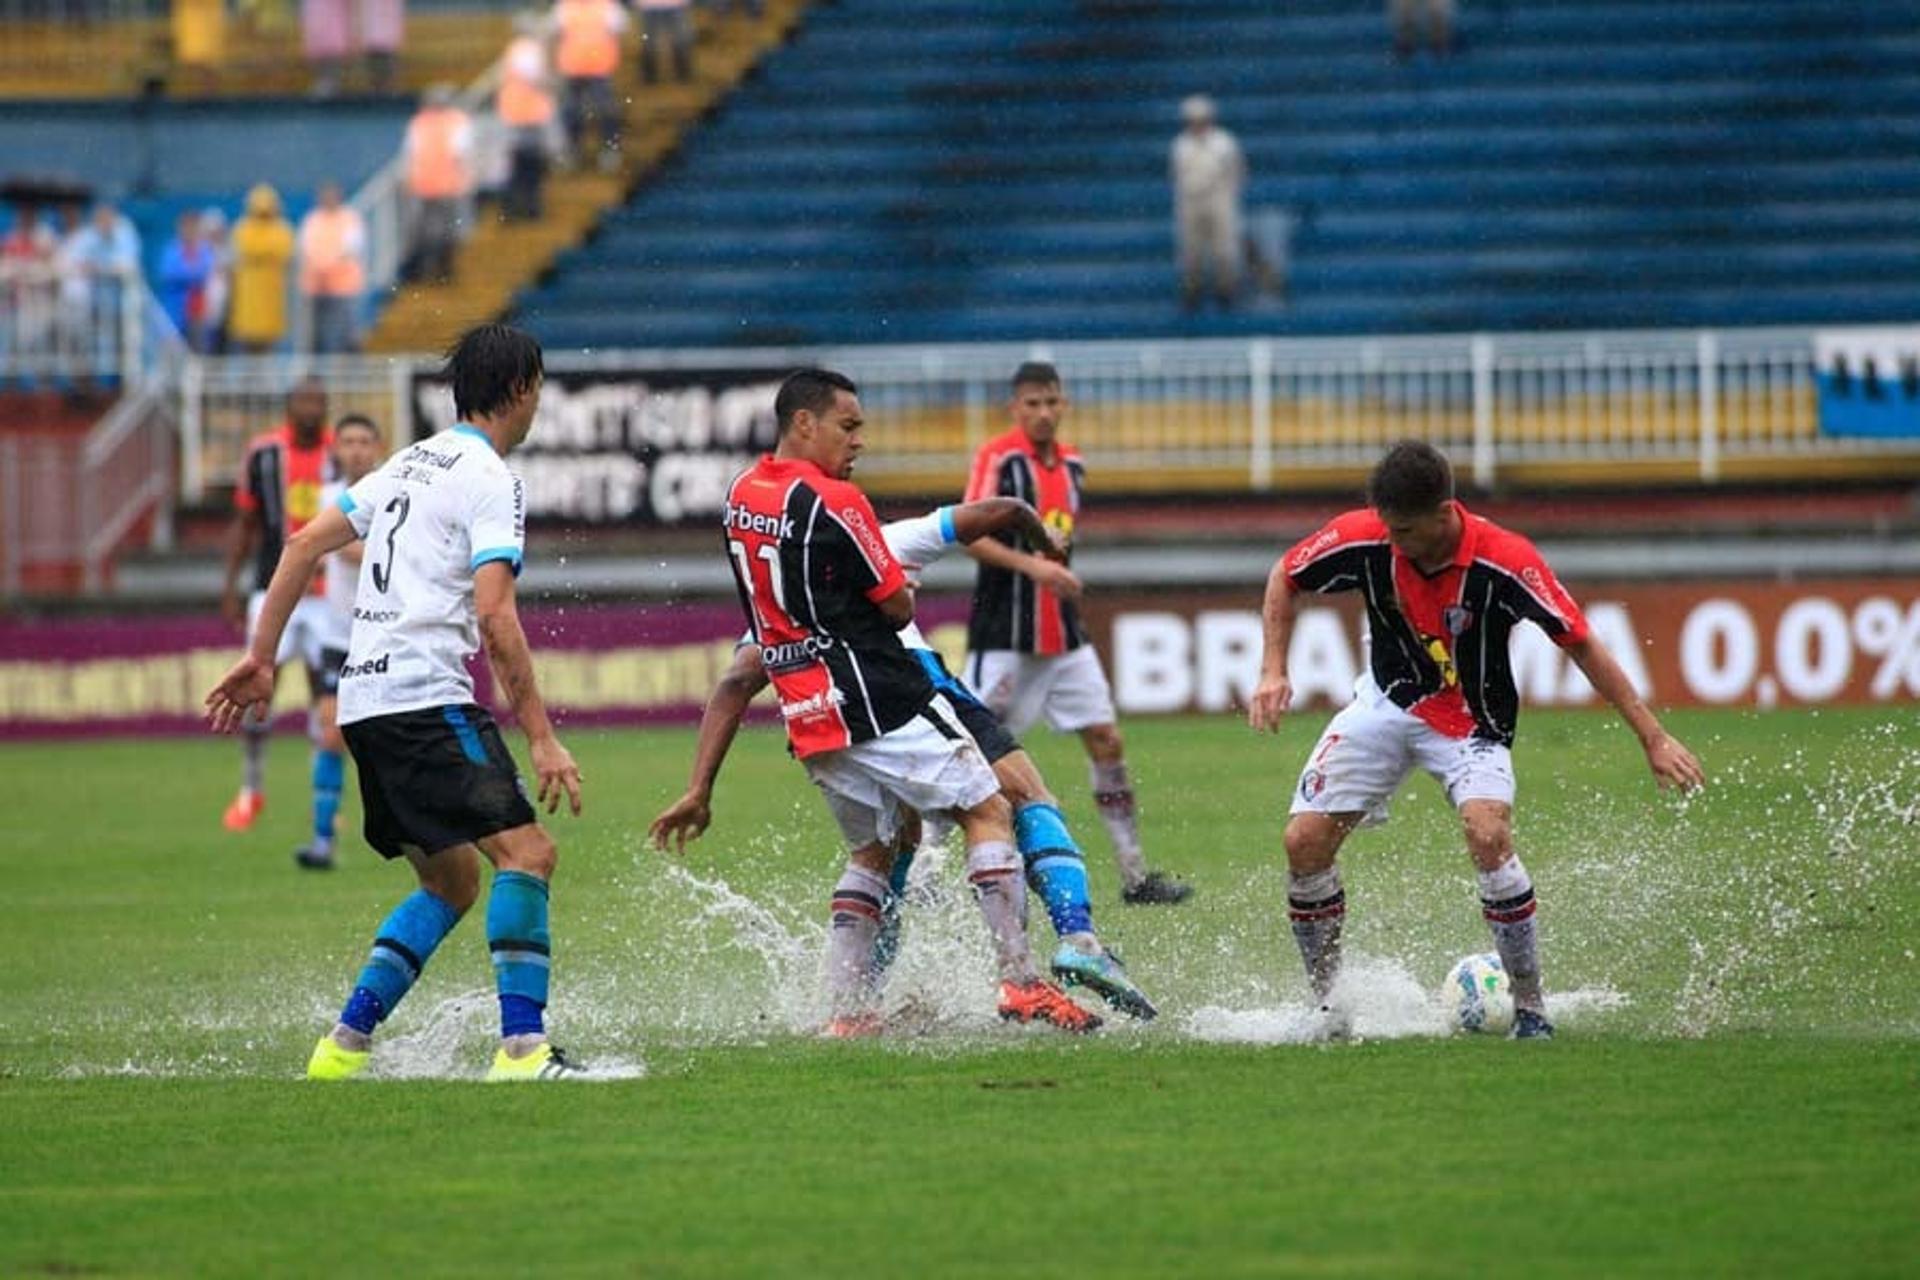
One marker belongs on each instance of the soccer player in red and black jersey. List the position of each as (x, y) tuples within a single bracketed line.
[(1028, 654), (1443, 590), (277, 495), (825, 600)]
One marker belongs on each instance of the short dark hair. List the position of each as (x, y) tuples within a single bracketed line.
[(1413, 479), (357, 420), (489, 366), (1035, 373), (809, 391)]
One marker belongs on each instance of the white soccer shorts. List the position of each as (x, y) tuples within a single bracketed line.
[(928, 765), (312, 629), (1069, 689), (1370, 747)]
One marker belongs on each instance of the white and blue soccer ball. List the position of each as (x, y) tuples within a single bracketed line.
[(1477, 996)]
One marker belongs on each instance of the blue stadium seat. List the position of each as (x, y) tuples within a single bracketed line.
[(932, 170)]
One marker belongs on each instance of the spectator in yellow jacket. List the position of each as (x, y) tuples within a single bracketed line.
[(262, 248)]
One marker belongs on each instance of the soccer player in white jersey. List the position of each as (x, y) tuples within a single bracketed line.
[(1055, 870), (356, 452), (444, 523)]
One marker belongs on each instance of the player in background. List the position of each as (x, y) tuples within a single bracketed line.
[(1443, 590), (825, 601), (356, 452), (444, 523), (278, 493), (1055, 870), (1028, 654)]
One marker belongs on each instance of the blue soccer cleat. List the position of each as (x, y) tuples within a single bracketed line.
[(1099, 972), (1530, 1025)]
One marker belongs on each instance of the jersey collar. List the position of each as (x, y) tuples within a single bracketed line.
[(788, 466), (1463, 554), (468, 429)]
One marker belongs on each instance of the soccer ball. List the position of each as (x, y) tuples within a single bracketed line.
[(1477, 996)]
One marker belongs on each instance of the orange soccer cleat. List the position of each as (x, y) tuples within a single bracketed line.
[(1039, 1001), (245, 808), (854, 1026)]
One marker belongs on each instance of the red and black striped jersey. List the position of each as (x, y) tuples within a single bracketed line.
[(1439, 641), (810, 564), (1011, 610), (282, 481)]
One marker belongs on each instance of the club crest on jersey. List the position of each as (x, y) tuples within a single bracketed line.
[(1312, 783), (1456, 619)]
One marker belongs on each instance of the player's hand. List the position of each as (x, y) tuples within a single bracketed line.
[(249, 683), (233, 611), (559, 776), (681, 823), (1058, 579), (1673, 765), (1270, 703)]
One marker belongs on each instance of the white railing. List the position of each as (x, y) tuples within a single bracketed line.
[(67, 326), (1252, 415)]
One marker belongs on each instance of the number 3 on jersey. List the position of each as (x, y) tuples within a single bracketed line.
[(766, 584), (383, 574)]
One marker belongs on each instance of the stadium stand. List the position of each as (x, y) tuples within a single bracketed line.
[(998, 172)]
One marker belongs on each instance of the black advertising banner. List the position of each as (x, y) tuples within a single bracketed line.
[(631, 446)]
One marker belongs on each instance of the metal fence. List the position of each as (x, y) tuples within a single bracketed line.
[(67, 327), (1225, 415)]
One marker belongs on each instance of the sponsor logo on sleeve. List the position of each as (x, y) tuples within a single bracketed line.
[(1307, 550)]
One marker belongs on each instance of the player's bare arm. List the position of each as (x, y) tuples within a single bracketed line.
[(250, 681), (506, 645), (1275, 692), (687, 819), (973, 521), (1056, 578), (897, 608), (242, 537), (1672, 764)]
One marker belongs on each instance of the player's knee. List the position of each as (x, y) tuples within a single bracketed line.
[(1489, 838), (1020, 782), (454, 878), (876, 857), (991, 819), (1312, 842), (1105, 744), (533, 852)]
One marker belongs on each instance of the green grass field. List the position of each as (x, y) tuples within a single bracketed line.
[(1736, 1089)]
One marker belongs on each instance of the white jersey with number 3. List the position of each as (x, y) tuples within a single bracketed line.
[(430, 517)]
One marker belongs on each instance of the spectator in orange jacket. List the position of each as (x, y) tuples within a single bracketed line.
[(333, 271)]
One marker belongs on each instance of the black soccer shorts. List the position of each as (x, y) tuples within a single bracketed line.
[(435, 778)]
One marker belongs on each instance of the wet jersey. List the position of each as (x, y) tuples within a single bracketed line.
[(283, 482), (810, 564), (1010, 610), (431, 516), (1439, 641)]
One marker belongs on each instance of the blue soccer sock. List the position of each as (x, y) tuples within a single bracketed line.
[(329, 776), (1055, 869), (886, 944), (401, 949), (517, 936)]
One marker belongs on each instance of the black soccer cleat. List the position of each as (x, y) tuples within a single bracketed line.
[(1158, 889), (312, 859), (1529, 1025)]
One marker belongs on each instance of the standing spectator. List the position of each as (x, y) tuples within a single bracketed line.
[(439, 152), (726, 8), (102, 259), (336, 30), (213, 227), (333, 245), (525, 107), (27, 269), (200, 38), (588, 53), (262, 249), (1209, 175), (1421, 21), (668, 22), (184, 267)]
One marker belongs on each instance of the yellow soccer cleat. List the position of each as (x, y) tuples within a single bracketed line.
[(544, 1063), (331, 1062)]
